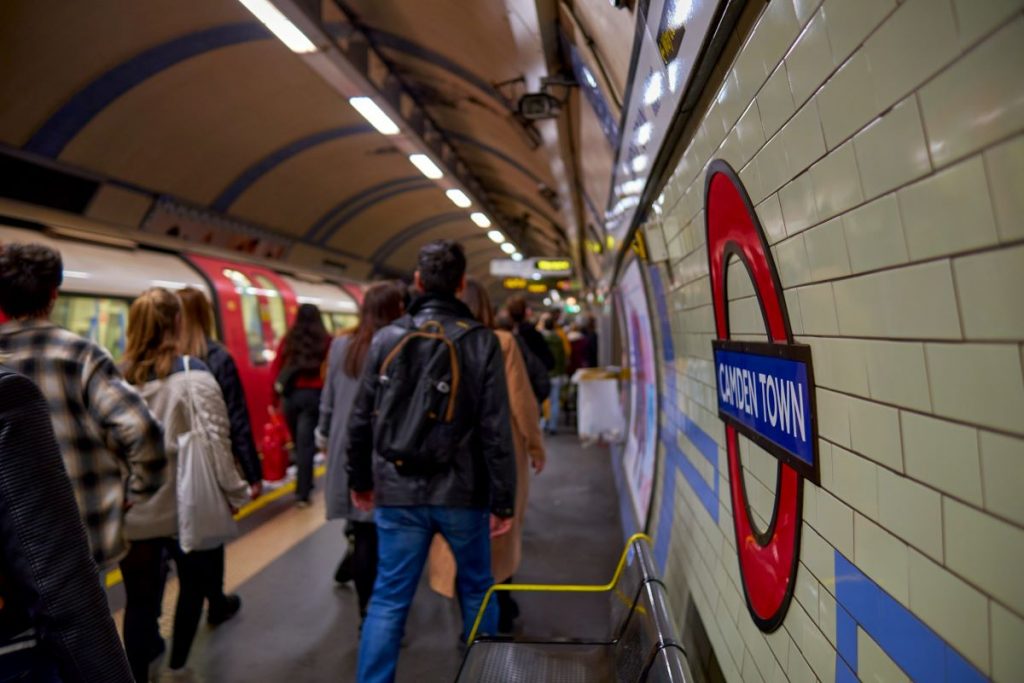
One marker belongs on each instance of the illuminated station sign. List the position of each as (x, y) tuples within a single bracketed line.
[(532, 268)]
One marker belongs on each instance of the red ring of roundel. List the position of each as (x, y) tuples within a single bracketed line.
[(768, 560)]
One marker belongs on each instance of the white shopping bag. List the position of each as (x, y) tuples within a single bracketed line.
[(600, 416), (204, 517)]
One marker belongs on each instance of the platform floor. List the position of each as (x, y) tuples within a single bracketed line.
[(297, 626)]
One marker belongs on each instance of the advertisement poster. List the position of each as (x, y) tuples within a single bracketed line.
[(642, 438)]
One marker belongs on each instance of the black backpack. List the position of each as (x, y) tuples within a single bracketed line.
[(416, 422)]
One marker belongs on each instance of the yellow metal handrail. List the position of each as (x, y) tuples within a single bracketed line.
[(557, 588)]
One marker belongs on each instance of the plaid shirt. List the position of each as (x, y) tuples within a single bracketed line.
[(105, 431)]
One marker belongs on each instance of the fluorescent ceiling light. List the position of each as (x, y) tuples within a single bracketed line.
[(508, 248), (459, 198), (280, 25), (480, 219), (374, 114), (426, 166), (517, 256), (496, 236)]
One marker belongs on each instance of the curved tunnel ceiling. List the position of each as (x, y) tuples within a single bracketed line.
[(199, 103)]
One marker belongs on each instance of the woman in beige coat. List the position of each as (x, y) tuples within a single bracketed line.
[(506, 550)]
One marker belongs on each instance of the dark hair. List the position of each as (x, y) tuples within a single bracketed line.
[(305, 345), (441, 265), (517, 308), (382, 303), (475, 297), (548, 323), (29, 275), (503, 321)]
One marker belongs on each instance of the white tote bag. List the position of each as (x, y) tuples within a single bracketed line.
[(204, 516)]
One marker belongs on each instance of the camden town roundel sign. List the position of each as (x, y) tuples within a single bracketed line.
[(765, 392)]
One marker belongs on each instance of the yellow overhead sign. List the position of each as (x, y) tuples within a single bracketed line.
[(537, 288), (514, 283), (551, 265)]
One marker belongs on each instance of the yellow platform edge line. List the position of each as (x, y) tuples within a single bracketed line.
[(113, 577)]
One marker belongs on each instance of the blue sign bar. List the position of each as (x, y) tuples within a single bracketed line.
[(766, 391)]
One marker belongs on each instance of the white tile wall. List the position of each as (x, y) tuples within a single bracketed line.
[(897, 373), (826, 251), (943, 455), (975, 19), (770, 214), (855, 481), (835, 522), (809, 60), (892, 150), (873, 664), (981, 281), (979, 383), (883, 557), (1007, 635), (1002, 466), (1005, 166), (775, 101), (836, 183), (849, 23), (986, 551), (847, 101), (910, 511), (799, 208), (874, 235), (875, 432), (818, 309)]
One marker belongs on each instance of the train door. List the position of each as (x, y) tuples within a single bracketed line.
[(254, 309)]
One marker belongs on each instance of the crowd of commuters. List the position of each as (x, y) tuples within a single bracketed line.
[(429, 411)]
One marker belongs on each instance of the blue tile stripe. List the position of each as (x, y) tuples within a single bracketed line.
[(676, 420), (55, 134), (920, 652)]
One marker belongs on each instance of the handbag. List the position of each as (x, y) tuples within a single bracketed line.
[(204, 515)]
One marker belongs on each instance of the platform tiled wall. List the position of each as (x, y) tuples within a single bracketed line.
[(882, 145)]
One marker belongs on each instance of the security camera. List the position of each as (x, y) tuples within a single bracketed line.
[(538, 105)]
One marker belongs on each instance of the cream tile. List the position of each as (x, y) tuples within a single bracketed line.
[(873, 664), (855, 481), (989, 287), (979, 383), (881, 556), (1002, 467), (799, 671), (773, 165), (897, 373), (827, 616), (796, 318), (730, 104), (799, 208), (839, 364), (847, 101), (849, 23), (1007, 635), (956, 611), (979, 99), (892, 151), (833, 416), (802, 139), (986, 551), (775, 102), (916, 302), (1005, 166), (913, 44), (910, 511), (750, 74), (943, 455), (770, 213), (819, 556), (775, 31), (875, 432), (826, 251), (809, 61), (818, 309), (948, 212), (975, 19), (874, 235), (791, 258), (835, 522), (749, 133), (750, 175), (837, 182), (737, 280), (806, 592)]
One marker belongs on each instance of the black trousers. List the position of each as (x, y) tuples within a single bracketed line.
[(144, 572), (301, 411), (364, 561)]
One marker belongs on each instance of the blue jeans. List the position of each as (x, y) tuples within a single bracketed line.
[(403, 536), (551, 423)]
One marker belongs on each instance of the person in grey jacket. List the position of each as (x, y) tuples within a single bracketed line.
[(54, 619), (154, 365), (382, 303)]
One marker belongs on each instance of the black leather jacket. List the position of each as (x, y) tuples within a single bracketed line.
[(47, 575), (483, 471)]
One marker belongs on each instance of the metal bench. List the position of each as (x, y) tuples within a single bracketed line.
[(641, 646)]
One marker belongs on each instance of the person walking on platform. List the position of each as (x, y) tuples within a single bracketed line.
[(506, 550), (430, 445), (111, 443), (540, 382), (520, 313), (197, 342), (382, 303), (557, 348), (186, 398), (55, 624), (298, 371)]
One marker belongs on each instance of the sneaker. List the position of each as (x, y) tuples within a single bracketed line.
[(302, 504), (223, 612)]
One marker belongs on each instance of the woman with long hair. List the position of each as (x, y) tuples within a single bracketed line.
[(185, 397), (382, 304), (506, 550), (298, 373), (196, 341)]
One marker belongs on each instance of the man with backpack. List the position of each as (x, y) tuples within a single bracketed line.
[(430, 447)]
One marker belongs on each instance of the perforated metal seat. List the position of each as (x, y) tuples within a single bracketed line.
[(642, 646)]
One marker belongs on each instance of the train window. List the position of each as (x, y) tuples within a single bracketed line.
[(101, 320), (259, 350), (344, 321), (272, 306), (328, 322)]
